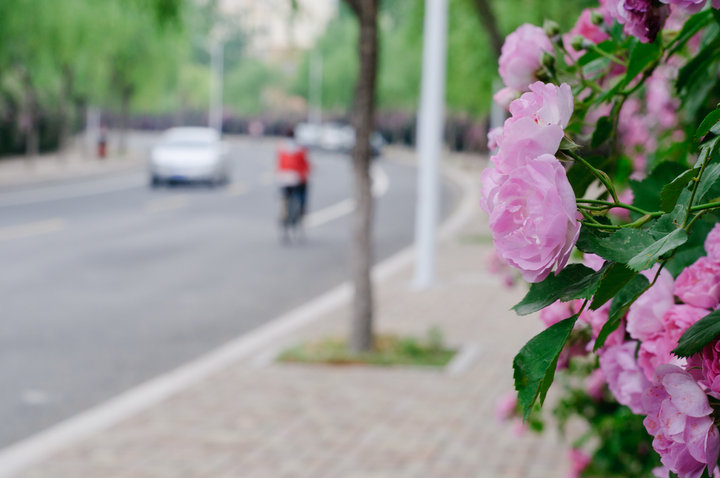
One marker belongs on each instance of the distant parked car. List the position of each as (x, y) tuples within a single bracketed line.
[(333, 137), (190, 155)]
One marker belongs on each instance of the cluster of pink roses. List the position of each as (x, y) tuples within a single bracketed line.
[(532, 209), (643, 374)]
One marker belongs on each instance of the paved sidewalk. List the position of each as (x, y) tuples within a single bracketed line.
[(77, 161), (269, 420)]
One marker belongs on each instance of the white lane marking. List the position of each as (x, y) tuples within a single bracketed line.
[(237, 189), (329, 213), (380, 185), (166, 204), (31, 229), (41, 446), (67, 191)]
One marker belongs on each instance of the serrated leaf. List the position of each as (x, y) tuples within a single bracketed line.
[(603, 129), (642, 55), (534, 366), (671, 192), (649, 256), (620, 305), (575, 281), (711, 120), (709, 179), (620, 246), (614, 279), (693, 25), (699, 335), (647, 193)]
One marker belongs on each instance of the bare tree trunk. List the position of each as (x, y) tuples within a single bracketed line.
[(124, 119), (489, 21), (65, 110), (361, 336), (32, 141)]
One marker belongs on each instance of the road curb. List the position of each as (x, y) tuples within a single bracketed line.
[(23, 454)]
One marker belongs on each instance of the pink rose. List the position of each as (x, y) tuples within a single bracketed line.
[(546, 104), (521, 56), (533, 216), (716, 3), (505, 96), (642, 18), (585, 28), (679, 417), (524, 139), (579, 460), (595, 385), (705, 367), (593, 261), (691, 6), (556, 312), (494, 137), (699, 284), (644, 318), (678, 319), (625, 380), (712, 242), (506, 407), (654, 352)]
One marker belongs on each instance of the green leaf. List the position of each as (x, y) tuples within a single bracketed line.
[(710, 121), (614, 279), (693, 25), (648, 256), (647, 193), (671, 192), (534, 366), (620, 246), (699, 335), (708, 180), (575, 281), (602, 132), (620, 304), (642, 55), (696, 69)]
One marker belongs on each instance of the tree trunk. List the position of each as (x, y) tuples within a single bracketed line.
[(65, 110), (361, 336), (29, 121), (489, 21), (124, 119)]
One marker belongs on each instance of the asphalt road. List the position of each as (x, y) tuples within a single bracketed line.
[(105, 283)]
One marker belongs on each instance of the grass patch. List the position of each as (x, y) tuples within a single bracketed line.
[(429, 351)]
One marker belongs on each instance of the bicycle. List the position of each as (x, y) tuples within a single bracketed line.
[(291, 214)]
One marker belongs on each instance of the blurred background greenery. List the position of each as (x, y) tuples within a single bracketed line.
[(146, 64)]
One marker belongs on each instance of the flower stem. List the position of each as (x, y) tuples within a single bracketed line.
[(597, 173)]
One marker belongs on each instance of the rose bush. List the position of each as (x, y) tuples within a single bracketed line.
[(610, 154)]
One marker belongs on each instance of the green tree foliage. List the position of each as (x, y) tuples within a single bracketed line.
[(471, 64)]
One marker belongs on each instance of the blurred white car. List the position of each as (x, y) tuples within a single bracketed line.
[(333, 137), (189, 155)]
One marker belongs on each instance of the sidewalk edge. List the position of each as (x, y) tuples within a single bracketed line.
[(35, 448)]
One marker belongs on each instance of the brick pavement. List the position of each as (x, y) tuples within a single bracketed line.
[(255, 420)]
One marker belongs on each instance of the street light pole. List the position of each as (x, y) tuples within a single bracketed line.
[(216, 86), (429, 138)]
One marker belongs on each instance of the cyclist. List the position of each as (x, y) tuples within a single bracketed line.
[(293, 171)]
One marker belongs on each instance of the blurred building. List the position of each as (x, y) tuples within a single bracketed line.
[(275, 29)]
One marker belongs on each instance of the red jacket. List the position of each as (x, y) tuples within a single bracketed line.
[(293, 159)]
